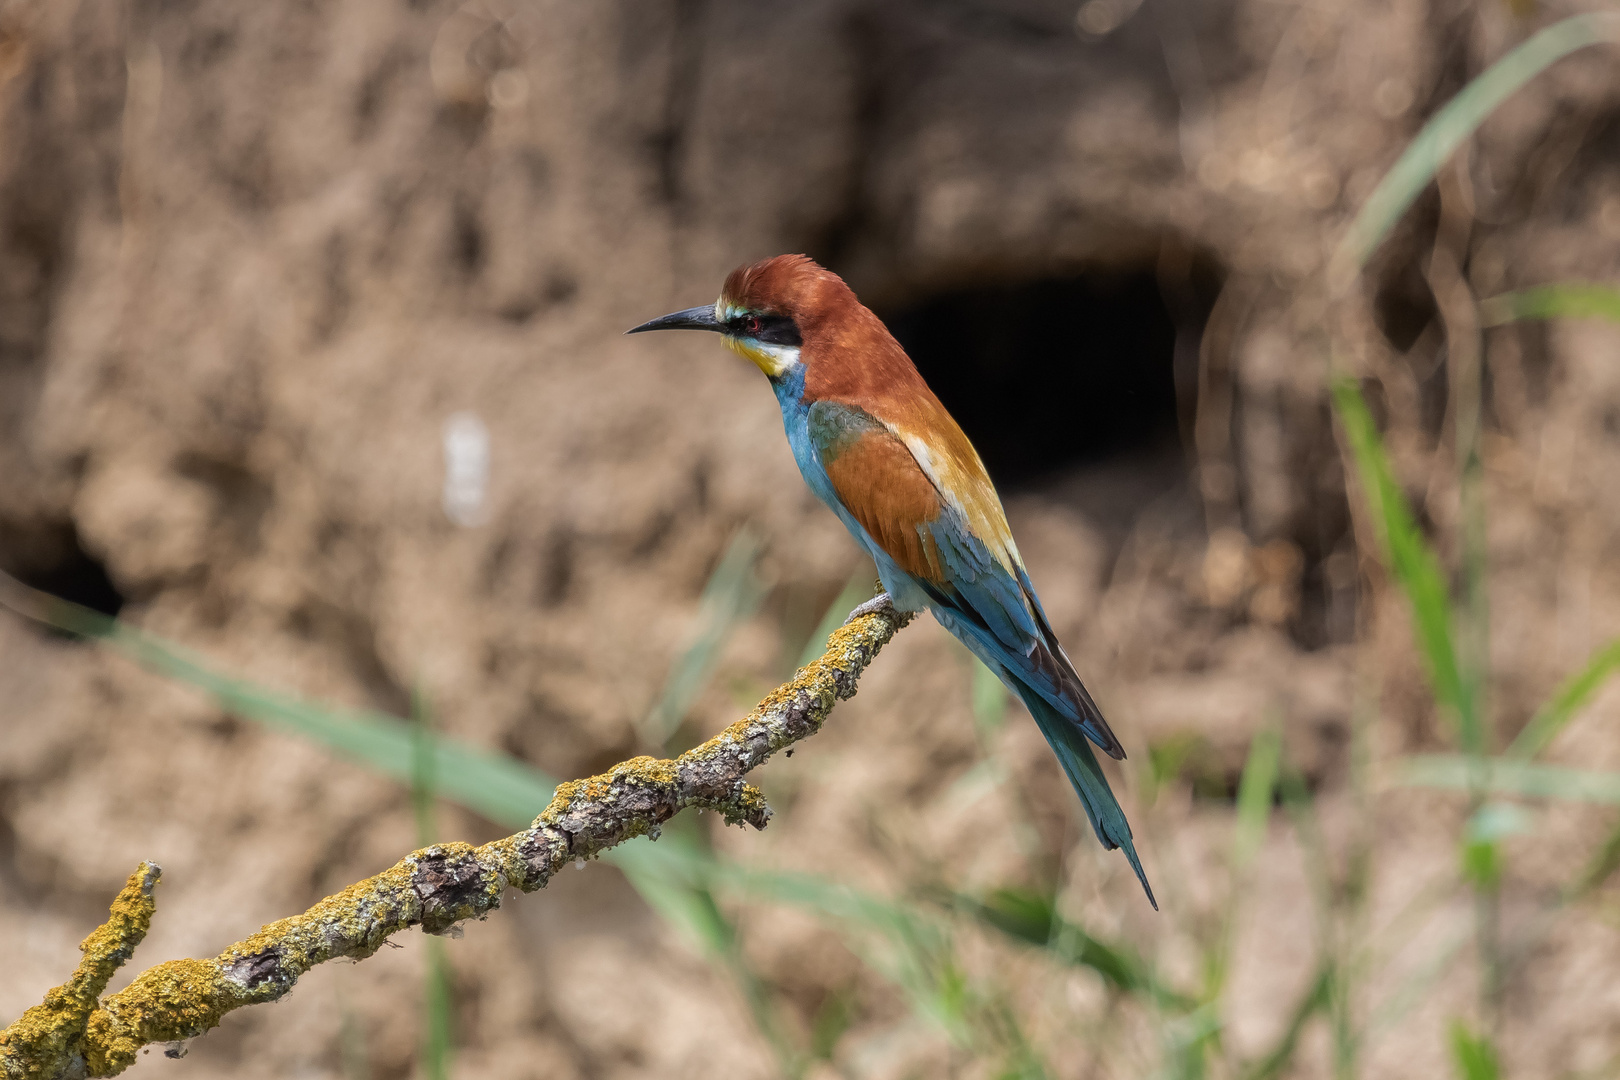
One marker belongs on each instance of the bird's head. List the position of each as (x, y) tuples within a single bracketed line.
[(766, 310)]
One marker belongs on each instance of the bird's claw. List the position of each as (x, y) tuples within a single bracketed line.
[(880, 602)]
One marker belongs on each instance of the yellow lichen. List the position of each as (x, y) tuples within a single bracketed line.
[(748, 805), (49, 1031), (304, 940), (179, 999), (658, 772), (564, 798), (643, 770)]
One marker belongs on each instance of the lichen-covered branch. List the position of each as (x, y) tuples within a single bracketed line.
[(49, 1040), (75, 1033)]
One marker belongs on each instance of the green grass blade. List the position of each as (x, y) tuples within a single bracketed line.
[(1569, 699), (691, 905), (354, 1062), (503, 789), (1314, 1000), (1604, 862), (437, 996), (731, 596), (833, 1018), (1397, 1005), (1032, 918), (424, 769), (1254, 796), (1411, 559), (1497, 776), (1473, 1055), (1481, 847), (494, 785), (915, 952), (1190, 1040), (437, 1008), (989, 700), (856, 591), (841, 903), (1454, 123), (1568, 300)]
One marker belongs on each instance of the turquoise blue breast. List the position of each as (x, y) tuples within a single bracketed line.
[(797, 420)]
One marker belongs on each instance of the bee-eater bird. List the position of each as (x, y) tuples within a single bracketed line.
[(876, 445)]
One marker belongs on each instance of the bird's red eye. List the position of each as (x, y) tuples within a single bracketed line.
[(752, 324)]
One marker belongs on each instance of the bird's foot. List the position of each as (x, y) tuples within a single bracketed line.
[(880, 602)]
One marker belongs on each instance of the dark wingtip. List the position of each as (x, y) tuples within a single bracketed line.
[(1101, 735), (1091, 718)]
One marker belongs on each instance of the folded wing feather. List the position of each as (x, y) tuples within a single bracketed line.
[(938, 517)]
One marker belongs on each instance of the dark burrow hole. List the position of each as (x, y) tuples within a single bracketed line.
[(1083, 388), (1055, 372), (51, 559)]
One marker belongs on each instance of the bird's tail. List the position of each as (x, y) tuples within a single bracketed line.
[(1073, 750)]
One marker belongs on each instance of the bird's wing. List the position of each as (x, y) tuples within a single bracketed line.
[(938, 517), (879, 483)]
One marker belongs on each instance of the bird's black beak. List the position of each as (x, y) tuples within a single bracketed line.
[(696, 318)]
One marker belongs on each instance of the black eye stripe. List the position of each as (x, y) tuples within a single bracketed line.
[(773, 329)]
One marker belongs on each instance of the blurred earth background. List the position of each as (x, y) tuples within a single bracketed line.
[(253, 258)]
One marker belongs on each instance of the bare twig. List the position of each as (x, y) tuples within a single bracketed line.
[(74, 1034)]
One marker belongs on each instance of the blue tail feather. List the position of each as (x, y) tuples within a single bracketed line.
[(1074, 752), (1066, 735)]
